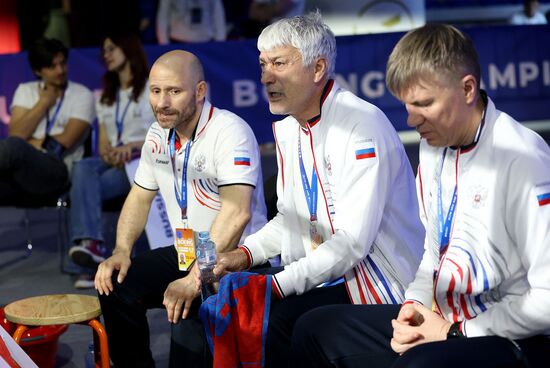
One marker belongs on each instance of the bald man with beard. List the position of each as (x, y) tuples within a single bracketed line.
[(206, 164)]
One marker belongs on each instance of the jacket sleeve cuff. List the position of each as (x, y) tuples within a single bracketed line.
[(285, 284), (411, 301), (255, 253), (248, 256), (275, 289)]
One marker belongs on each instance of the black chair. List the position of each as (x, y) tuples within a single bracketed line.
[(57, 201)]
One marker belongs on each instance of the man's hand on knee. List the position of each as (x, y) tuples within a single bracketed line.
[(179, 296), (103, 278)]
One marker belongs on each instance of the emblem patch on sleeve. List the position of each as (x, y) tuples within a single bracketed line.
[(242, 161), (241, 158), (365, 150), (543, 194), (543, 199)]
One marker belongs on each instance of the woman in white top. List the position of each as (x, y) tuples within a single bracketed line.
[(124, 115)]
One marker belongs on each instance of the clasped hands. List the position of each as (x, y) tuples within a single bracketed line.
[(117, 156), (417, 325)]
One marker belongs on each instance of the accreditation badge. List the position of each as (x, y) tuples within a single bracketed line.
[(185, 246), (314, 236)]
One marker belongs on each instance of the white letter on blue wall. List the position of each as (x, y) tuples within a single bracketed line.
[(496, 79), (350, 84), (244, 93), (372, 84), (528, 71)]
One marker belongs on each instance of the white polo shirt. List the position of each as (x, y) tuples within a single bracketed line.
[(78, 103), (137, 119), (224, 151)]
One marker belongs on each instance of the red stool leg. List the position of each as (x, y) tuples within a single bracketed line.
[(101, 354), (19, 333)]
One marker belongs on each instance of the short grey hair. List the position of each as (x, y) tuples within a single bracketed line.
[(307, 33)]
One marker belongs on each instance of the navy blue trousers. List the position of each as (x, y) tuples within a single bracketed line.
[(284, 314), (359, 336), (124, 313)]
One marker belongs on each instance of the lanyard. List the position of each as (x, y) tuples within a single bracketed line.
[(182, 200), (120, 121), (444, 226), (309, 191), (50, 123)]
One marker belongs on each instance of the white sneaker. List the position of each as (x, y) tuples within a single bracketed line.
[(84, 281)]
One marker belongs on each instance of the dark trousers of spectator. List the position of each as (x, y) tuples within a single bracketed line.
[(359, 336), (27, 173), (284, 314), (124, 313)]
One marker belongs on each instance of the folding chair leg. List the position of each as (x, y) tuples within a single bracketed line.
[(27, 224)]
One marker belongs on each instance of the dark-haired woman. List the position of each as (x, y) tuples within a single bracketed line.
[(124, 115)]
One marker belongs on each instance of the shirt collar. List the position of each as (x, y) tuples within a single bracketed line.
[(468, 147), (205, 117), (328, 87)]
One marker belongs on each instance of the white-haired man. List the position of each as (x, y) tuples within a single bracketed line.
[(346, 196)]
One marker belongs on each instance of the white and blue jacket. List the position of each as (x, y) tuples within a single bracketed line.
[(366, 205)]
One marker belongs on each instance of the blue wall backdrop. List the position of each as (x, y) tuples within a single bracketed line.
[(515, 70)]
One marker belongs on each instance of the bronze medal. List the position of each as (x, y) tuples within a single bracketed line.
[(314, 236)]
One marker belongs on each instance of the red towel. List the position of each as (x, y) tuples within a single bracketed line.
[(236, 320)]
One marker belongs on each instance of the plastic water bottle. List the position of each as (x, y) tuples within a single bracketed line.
[(89, 359), (206, 259)]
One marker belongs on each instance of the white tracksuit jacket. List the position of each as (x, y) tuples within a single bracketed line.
[(495, 274), (366, 204)]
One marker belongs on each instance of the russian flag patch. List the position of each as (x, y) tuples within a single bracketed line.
[(543, 194), (365, 150), (543, 199), (365, 153), (242, 161)]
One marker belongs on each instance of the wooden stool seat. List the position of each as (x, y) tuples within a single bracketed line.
[(61, 309), (56, 309)]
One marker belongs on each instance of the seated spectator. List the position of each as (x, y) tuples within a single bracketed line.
[(190, 21), (482, 293), (124, 116), (345, 189), (529, 15), (50, 118)]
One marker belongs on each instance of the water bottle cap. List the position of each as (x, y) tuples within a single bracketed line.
[(203, 235)]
